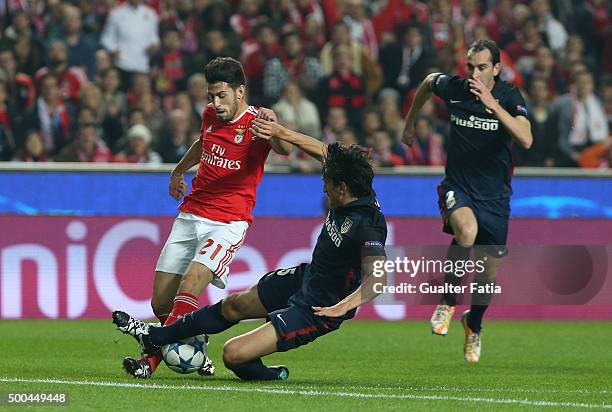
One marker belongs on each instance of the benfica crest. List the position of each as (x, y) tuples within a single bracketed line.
[(239, 134), (346, 226)]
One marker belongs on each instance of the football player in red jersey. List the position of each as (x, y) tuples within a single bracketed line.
[(214, 216)]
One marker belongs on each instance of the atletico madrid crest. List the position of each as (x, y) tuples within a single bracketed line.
[(346, 226), (239, 134)]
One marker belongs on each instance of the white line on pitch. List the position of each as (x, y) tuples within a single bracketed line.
[(281, 391), (464, 389)]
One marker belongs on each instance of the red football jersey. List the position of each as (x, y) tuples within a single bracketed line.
[(231, 167)]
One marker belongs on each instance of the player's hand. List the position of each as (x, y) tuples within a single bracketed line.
[(266, 114), (339, 309), (483, 93), (265, 129), (408, 133), (178, 187)]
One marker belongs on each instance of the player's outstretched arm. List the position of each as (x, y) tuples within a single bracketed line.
[(373, 270), (266, 129), (190, 158), (424, 93)]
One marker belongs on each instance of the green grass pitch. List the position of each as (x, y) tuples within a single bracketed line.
[(363, 366)]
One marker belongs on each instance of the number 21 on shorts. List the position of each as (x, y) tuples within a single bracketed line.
[(209, 243)]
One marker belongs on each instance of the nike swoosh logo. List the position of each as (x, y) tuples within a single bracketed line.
[(281, 319), (455, 101)]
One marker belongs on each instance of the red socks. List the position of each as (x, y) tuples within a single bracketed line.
[(156, 358), (184, 303)]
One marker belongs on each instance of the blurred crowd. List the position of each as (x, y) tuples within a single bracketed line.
[(121, 81)]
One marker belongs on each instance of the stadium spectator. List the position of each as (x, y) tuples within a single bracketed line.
[(81, 46), (255, 53), (393, 121), (546, 68), (313, 36), (347, 137), (87, 147), (343, 88), (115, 101), (169, 66), (20, 88), (445, 30), (196, 86), (153, 114), (7, 116), (298, 113), (51, 114), (71, 78), (399, 12), (404, 62), (467, 16), (138, 147), (20, 27), (360, 25), (28, 55), (336, 122), (291, 64), (181, 16), (582, 121), (247, 18), (541, 116), (131, 36), (33, 148), (523, 50), (91, 98), (175, 140), (551, 29), (362, 62), (216, 16), (428, 147), (182, 101), (606, 96), (382, 155), (371, 121), (500, 23), (103, 63), (540, 40)]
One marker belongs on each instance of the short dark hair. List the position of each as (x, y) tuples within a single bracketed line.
[(350, 165), (225, 69), (482, 45)]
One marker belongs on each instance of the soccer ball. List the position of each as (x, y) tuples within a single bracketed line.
[(186, 356)]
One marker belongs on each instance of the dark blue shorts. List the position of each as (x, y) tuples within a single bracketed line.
[(492, 217), (276, 287), (295, 324)]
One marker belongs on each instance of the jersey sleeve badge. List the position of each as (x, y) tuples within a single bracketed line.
[(240, 130), (346, 226)]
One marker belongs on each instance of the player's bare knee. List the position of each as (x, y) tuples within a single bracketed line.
[(231, 354), (466, 234)]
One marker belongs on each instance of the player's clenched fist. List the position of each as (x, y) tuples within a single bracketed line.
[(178, 187), (408, 134)]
